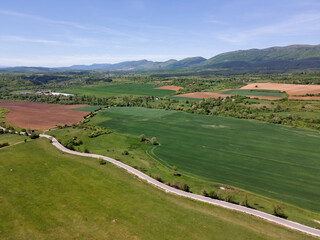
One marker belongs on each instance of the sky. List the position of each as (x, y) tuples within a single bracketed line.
[(67, 32)]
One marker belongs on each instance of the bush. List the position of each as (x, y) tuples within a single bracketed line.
[(142, 137), (4, 144), (186, 188), (102, 162), (213, 194), (278, 211), (34, 136), (125, 152), (1, 131), (159, 179), (205, 193), (86, 150), (154, 141)]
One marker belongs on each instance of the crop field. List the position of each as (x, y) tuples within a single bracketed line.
[(121, 90), (291, 89), (245, 92), (52, 195), (274, 161), (34, 115), (91, 108)]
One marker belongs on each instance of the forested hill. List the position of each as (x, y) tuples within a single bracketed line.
[(269, 60), (289, 53)]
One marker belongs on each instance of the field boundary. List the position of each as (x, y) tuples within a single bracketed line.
[(265, 216)]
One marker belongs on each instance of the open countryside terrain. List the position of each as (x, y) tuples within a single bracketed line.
[(268, 91), (32, 115), (291, 89), (77, 198), (246, 154), (121, 90)]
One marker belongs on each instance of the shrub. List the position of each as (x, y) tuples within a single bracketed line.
[(125, 152), (230, 197), (142, 137), (159, 179), (102, 162), (213, 194), (186, 188), (86, 150), (1, 131), (154, 141), (34, 135), (69, 145), (205, 193), (4, 144), (278, 211)]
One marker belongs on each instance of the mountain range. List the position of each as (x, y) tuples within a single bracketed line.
[(274, 59)]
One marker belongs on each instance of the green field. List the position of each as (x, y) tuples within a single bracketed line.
[(11, 138), (121, 90), (53, 195), (91, 108), (247, 92), (275, 161)]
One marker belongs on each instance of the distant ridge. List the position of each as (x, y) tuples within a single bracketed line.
[(273, 59)]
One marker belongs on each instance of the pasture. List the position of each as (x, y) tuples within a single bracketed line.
[(271, 160), (253, 92), (121, 90), (53, 195)]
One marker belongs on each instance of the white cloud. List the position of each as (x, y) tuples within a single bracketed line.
[(308, 22)]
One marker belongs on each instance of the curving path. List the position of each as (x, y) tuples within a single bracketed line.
[(265, 216)]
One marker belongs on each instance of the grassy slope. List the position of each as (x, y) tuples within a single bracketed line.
[(51, 195), (113, 145), (244, 92), (120, 90), (274, 161), (11, 138)]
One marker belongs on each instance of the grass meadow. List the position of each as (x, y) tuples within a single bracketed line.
[(121, 90), (53, 195)]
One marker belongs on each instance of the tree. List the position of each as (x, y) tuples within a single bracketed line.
[(142, 137)]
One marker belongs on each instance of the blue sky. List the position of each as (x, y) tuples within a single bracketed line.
[(65, 32)]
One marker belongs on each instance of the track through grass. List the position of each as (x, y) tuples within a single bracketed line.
[(53, 195)]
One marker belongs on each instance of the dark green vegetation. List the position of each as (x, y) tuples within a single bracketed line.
[(121, 90), (293, 52), (245, 92), (52, 195), (274, 161), (89, 108)]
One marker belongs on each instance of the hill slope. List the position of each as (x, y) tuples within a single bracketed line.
[(51, 195)]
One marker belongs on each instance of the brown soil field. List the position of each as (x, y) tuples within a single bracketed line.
[(170, 87), (33, 115), (206, 95), (291, 89), (305, 98)]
